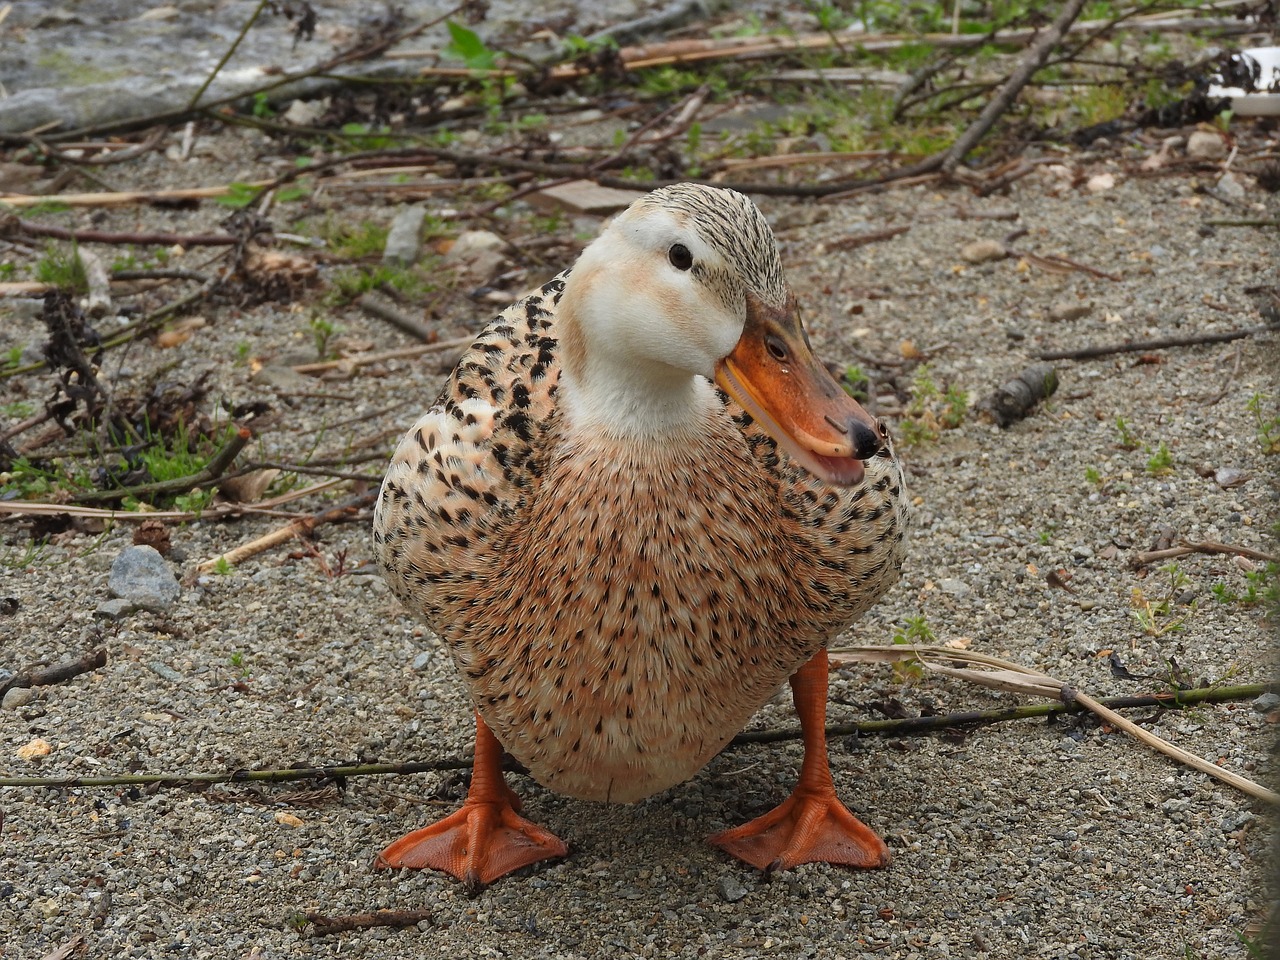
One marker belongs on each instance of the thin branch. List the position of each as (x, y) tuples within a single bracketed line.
[(294, 528), (1031, 62), (214, 469), (1205, 546), (217, 68), (11, 225), (323, 926), (909, 725), (1160, 343), (58, 673)]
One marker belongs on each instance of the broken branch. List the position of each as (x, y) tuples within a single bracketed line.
[(1160, 343)]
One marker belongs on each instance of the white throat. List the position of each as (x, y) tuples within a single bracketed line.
[(648, 402)]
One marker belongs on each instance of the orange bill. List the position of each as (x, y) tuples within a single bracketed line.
[(773, 375)]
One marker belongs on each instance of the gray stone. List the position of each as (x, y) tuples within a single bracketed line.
[(1230, 187), (1204, 145), (114, 609), (731, 890), (16, 697), (423, 660), (166, 672), (404, 239), (1267, 702), (283, 379), (954, 588), (1065, 310), (140, 575), (983, 251)]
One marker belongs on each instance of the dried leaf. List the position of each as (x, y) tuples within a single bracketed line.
[(248, 487)]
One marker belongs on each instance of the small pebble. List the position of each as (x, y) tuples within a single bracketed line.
[(114, 609), (16, 697), (731, 890), (1065, 310), (982, 251), (404, 239), (140, 575), (1230, 187), (1264, 704), (1204, 145)]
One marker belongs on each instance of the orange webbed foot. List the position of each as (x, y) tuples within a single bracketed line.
[(807, 827), (483, 841), (811, 825)]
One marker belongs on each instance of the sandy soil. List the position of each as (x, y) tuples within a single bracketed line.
[(1022, 839)]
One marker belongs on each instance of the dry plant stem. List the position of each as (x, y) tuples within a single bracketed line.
[(214, 469), (385, 311), (31, 229), (1205, 546), (1006, 675), (30, 508), (1190, 759), (322, 926), (294, 528), (1160, 343), (440, 346), (898, 727), (1059, 264), (217, 68), (873, 236), (1034, 59), (58, 673), (125, 197)]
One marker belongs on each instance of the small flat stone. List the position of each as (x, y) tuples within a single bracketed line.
[(404, 239), (1205, 145), (423, 660), (114, 609), (583, 196), (140, 575), (982, 251), (1066, 310), (16, 697), (731, 890), (954, 588), (283, 379), (1230, 187), (1100, 183), (165, 672), (1267, 702)]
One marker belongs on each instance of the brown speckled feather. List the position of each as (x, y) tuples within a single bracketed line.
[(619, 611)]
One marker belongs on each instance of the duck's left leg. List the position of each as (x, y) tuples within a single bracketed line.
[(812, 825)]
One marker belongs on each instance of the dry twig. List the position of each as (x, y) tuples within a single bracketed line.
[(1204, 546), (1159, 343)]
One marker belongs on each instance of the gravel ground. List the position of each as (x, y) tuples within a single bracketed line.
[(1023, 839)]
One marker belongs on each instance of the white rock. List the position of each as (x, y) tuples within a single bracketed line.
[(1100, 183), (1204, 145), (980, 251)]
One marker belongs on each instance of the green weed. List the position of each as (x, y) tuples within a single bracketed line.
[(1157, 616), (239, 195), (322, 331), (1128, 439), (1266, 423), (62, 270), (1160, 463), (465, 45)]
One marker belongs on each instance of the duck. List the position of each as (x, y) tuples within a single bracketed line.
[(639, 506)]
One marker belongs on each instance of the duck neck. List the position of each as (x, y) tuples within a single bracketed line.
[(603, 393)]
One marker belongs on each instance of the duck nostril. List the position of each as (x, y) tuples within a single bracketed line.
[(866, 441)]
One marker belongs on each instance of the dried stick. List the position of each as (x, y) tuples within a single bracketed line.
[(1006, 675), (1160, 343), (1164, 746), (294, 528), (125, 197), (58, 673), (1030, 63), (440, 346), (872, 236), (214, 469), (217, 67), (11, 225), (34, 508), (896, 727), (1204, 546), (385, 311), (323, 926)]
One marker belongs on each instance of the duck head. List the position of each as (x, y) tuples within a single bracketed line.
[(687, 284)]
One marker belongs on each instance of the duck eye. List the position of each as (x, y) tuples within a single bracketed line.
[(680, 256), (777, 349)]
